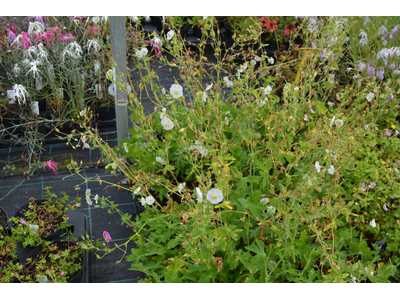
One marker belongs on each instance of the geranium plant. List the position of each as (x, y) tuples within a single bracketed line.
[(258, 177)]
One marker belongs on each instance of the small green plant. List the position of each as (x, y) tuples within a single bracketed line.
[(54, 262), (40, 220), (10, 268)]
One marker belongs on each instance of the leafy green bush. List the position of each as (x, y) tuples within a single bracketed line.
[(243, 182)]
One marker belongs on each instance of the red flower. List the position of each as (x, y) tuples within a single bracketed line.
[(289, 29), (269, 24)]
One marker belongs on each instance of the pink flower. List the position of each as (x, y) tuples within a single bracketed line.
[(388, 133), (364, 187), (390, 97), (25, 41), (52, 165), (22, 221), (67, 37), (372, 185), (47, 35), (156, 48), (107, 236), (62, 273)]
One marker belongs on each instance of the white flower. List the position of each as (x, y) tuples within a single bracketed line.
[(164, 110), (317, 166), (354, 279), (199, 195), (228, 82), (203, 151), (167, 123), (20, 92), (163, 91), (16, 69), (385, 207), (253, 62), (72, 49), (271, 210), (264, 201), (267, 90), (142, 52), (181, 186), (331, 170), (333, 120), (215, 196), (176, 90), (204, 97), (150, 200), (82, 113), (85, 146), (36, 27), (34, 68), (137, 190), (157, 41), (96, 198), (370, 96), (96, 20), (160, 160), (134, 19), (305, 118), (93, 44), (205, 17), (366, 270), (143, 201), (87, 195), (261, 103), (372, 223), (339, 122), (209, 87), (147, 19), (271, 60), (126, 147), (170, 34), (257, 58)]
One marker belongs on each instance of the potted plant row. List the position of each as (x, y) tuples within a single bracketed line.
[(42, 243)]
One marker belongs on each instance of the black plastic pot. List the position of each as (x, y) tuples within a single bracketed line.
[(3, 217), (3, 220), (79, 222), (20, 213), (105, 113), (76, 278), (139, 208)]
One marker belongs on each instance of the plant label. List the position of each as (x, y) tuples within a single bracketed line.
[(34, 228)]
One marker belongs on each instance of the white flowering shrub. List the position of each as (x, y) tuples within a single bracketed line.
[(264, 179)]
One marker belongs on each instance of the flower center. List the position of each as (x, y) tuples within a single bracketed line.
[(214, 196)]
